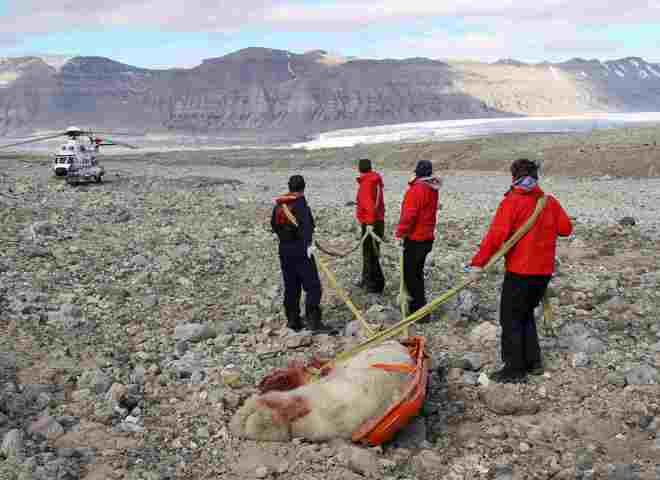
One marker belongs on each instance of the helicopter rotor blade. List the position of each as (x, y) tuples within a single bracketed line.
[(37, 139), (121, 144), (106, 132)]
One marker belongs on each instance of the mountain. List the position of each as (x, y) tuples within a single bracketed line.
[(259, 91)]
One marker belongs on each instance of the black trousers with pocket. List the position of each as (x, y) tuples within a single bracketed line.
[(414, 257), (372, 274), (521, 294)]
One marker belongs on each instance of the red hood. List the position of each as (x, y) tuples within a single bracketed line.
[(432, 182), (288, 198), (371, 175)]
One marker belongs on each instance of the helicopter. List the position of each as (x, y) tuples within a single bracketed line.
[(76, 160)]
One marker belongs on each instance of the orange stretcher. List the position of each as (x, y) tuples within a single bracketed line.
[(377, 431)]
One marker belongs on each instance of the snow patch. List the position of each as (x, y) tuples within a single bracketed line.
[(643, 74), (293, 74), (653, 71), (447, 130), (583, 75), (635, 62), (619, 72)]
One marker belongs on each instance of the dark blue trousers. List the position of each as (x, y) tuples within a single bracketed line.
[(299, 272)]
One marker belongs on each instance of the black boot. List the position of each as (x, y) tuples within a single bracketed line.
[(509, 375), (293, 320), (314, 321)]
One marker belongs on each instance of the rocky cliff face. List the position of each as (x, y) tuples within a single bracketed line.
[(276, 92)]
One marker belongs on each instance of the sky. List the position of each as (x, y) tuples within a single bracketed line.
[(181, 33)]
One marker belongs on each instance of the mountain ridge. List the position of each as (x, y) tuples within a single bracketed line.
[(263, 91)]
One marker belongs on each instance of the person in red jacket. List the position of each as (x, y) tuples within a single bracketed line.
[(370, 212), (529, 267), (417, 229)]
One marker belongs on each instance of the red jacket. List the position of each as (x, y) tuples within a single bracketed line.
[(370, 204), (419, 209), (534, 254)]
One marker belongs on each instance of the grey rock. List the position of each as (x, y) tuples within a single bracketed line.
[(150, 300), (648, 423), (363, 462), (182, 250), (642, 375), (139, 261), (412, 436), (580, 359), (649, 280), (623, 472), (577, 337), (656, 347), (47, 427), (44, 229), (71, 316), (472, 361), (503, 472), (35, 251), (101, 382), (231, 327), (194, 332), (628, 222), (468, 304), (352, 329), (471, 378), (138, 375), (439, 361), (13, 444), (181, 347), (3, 419), (7, 367)]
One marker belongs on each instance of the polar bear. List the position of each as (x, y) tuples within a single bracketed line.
[(334, 406)]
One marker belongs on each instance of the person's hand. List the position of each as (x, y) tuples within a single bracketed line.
[(475, 274), (310, 251)]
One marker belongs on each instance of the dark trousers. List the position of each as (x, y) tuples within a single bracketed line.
[(414, 256), (372, 274), (521, 294), (299, 272)]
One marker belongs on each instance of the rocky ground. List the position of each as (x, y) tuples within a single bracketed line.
[(138, 314)]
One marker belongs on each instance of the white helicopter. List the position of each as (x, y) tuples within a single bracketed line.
[(77, 160)]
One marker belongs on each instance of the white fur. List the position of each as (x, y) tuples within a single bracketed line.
[(351, 394)]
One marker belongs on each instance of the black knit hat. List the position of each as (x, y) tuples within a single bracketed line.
[(296, 183), (424, 168), (364, 165), (524, 167)]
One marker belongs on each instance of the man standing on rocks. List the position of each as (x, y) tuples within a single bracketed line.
[(529, 267), (296, 257), (416, 229), (370, 212)]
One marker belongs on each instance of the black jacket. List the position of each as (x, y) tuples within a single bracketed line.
[(287, 232)]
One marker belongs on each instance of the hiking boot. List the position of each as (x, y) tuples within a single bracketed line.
[(293, 320), (313, 320), (536, 369), (509, 375)]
